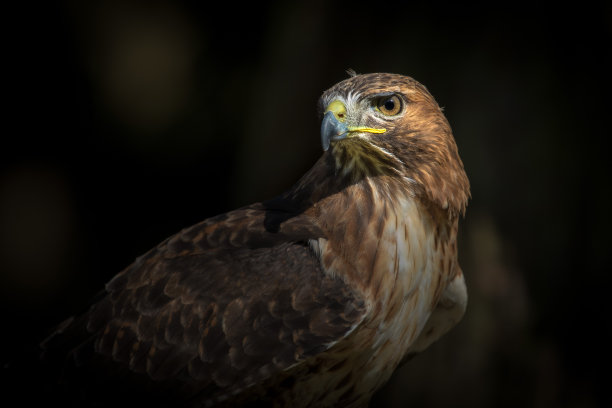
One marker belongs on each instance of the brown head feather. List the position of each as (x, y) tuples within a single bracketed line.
[(419, 140)]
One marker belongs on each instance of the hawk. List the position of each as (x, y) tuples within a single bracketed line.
[(310, 299)]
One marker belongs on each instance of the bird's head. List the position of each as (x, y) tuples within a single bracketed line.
[(389, 124)]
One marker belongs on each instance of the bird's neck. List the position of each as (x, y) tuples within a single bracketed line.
[(397, 251), (368, 226), (386, 243)]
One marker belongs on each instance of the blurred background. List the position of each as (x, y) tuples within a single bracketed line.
[(128, 121)]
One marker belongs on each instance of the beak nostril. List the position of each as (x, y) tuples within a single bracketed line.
[(338, 108)]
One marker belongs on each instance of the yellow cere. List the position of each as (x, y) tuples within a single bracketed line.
[(339, 110)]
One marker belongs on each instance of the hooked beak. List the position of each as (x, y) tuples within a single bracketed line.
[(332, 129)]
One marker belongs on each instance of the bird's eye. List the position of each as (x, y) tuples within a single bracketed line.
[(389, 105)]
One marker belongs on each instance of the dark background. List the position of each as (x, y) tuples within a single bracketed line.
[(128, 121)]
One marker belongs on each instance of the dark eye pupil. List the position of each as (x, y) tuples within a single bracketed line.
[(389, 104)]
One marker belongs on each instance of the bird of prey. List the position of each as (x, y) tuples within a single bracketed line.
[(310, 299)]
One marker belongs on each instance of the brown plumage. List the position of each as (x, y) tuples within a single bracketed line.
[(310, 299)]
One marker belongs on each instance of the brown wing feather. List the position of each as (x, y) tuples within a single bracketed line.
[(218, 307)]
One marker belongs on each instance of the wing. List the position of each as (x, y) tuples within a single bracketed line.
[(223, 305)]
